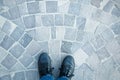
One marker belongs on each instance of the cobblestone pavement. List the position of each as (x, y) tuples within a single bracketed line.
[(89, 30)]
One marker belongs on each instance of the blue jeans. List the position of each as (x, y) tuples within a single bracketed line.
[(50, 77)]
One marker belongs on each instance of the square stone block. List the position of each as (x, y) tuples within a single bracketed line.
[(25, 40), (17, 33), (80, 23), (58, 20), (9, 61), (29, 21), (17, 50), (31, 75), (51, 6), (23, 9), (14, 12), (116, 12), (98, 42), (70, 34), (47, 20), (66, 47), (33, 7), (116, 28), (102, 53), (74, 8), (7, 42), (26, 60), (69, 20)]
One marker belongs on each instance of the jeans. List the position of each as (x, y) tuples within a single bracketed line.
[(50, 77)]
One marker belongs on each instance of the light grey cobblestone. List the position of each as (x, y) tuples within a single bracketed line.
[(88, 30)]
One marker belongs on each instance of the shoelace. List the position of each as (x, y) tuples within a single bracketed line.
[(67, 72), (46, 70)]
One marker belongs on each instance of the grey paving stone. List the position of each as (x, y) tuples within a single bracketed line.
[(6, 77), (70, 34), (32, 33), (14, 13), (86, 2), (102, 73), (17, 50), (33, 7), (54, 46), (33, 48), (9, 3), (17, 67), (23, 9), (117, 58), (34, 65), (107, 35), (69, 20), (88, 49), (116, 28), (110, 65), (88, 72), (115, 49), (53, 32), (58, 20), (7, 27), (17, 33), (102, 53), (98, 42), (78, 72), (43, 31), (75, 47), (80, 35), (19, 76), (118, 39), (1, 3), (74, 8), (116, 1), (38, 20), (66, 47), (25, 40), (44, 46), (51, 6), (116, 12), (19, 22), (103, 17), (29, 21), (26, 59), (2, 35), (93, 61), (47, 20), (108, 6), (29, 0), (9, 61), (7, 42), (96, 3), (20, 1), (100, 28), (80, 23), (31, 75), (3, 53), (6, 15)]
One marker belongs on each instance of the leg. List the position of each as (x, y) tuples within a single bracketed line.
[(47, 77), (44, 67), (63, 78), (67, 68)]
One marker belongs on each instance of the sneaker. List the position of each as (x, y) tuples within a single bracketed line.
[(44, 65), (67, 67)]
